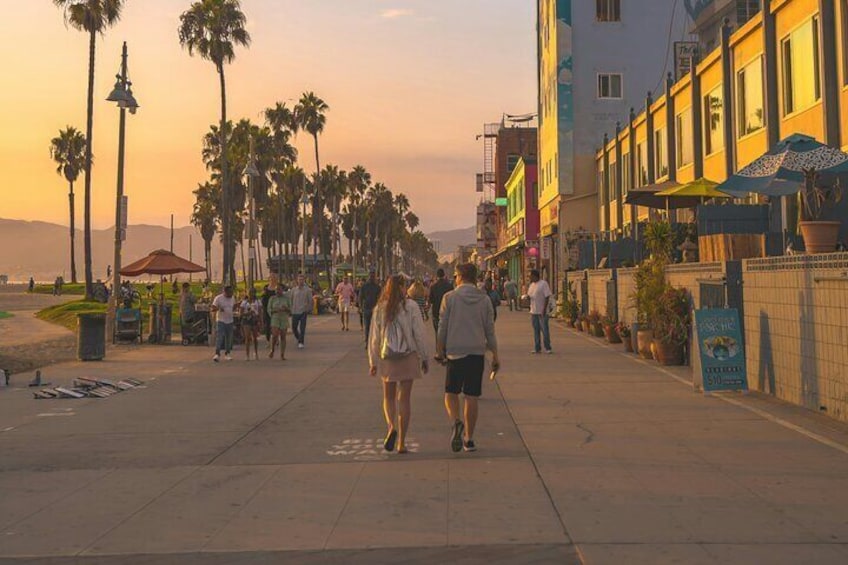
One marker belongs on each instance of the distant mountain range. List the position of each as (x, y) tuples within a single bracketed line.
[(40, 249)]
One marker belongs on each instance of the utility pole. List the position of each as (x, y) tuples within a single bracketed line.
[(251, 171)]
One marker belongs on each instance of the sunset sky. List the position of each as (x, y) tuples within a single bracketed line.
[(409, 83)]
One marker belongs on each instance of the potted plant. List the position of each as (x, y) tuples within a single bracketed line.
[(820, 236), (582, 323), (609, 329), (570, 308), (595, 324), (623, 332), (671, 326)]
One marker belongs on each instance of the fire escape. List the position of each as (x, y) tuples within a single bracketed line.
[(486, 179)]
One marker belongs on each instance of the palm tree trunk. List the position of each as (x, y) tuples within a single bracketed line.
[(89, 126), (229, 267), (316, 203), (73, 234), (207, 251)]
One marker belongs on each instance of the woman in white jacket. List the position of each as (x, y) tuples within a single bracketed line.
[(398, 354)]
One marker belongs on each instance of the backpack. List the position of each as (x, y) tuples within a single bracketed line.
[(395, 345)]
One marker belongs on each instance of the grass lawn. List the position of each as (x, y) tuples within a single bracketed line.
[(66, 314), (5, 315)]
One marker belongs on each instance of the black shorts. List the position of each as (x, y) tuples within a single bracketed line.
[(465, 375)]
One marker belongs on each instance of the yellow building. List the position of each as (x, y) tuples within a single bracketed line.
[(784, 71)]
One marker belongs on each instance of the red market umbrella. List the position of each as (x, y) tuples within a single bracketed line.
[(161, 262)]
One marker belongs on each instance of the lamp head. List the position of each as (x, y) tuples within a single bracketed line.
[(129, 102), (118, 94)]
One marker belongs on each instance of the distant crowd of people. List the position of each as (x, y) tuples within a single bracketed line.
[(392, 316)]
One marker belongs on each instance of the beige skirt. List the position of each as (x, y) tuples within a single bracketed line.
[(403, 369)]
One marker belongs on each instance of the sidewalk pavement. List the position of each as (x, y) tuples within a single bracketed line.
[(585, 455)]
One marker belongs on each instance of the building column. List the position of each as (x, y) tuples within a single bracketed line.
[(619, 200), (606, 189), (697, 121), (772, 109), (829, 72), (649, 124), (727, 99), (634, 220), (671, 128)]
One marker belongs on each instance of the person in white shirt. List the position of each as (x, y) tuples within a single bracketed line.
[(539, 294), (344, 294), (223, 307)]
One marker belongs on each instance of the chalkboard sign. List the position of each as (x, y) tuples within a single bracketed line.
[(722, 349)]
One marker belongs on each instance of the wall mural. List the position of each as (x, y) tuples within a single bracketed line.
[(565, 96)]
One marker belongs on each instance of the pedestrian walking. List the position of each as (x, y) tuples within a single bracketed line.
[(250, 311), (31, 286), (493, 295), (397, 353), (418, 293), (280, 308), (369, 294), (539, 294), (301, 305), (437, 292), (344, 295), (466, 332), (223, 306), (511, 290), (267, 292)]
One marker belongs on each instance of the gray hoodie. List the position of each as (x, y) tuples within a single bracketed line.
[(467, 323)]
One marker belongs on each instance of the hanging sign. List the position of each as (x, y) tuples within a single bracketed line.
[(721, 348)]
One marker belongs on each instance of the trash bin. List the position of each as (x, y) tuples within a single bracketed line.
[(153, 323), (91, 337)]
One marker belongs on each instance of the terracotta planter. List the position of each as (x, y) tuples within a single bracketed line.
[(643, 343), (585, 324), (634, 329), (611, 334), (628, 344), (668, 353), (820, 236)]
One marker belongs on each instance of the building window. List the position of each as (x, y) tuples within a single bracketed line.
[(683, 132), (800, 53), (625, 173), (608, 10), (749, 98), (713, 121), (609, 85), (641, 165), (511, 162), (745, 10), (660, 153)]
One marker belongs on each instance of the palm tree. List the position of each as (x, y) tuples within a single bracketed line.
[(309, 113), (93, 17), (359, 181), (204, 217), (68, 151), (213, 28)]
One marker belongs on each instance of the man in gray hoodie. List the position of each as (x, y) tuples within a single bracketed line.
[(466, 331)]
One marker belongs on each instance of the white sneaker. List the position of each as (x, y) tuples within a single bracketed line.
[(216, 357), (300, 346), (228, 357)]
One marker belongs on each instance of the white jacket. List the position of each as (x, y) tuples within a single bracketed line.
[(412, 324)]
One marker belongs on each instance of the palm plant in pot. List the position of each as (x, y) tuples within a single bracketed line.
[(671, 323), (570, 307), (818, 195), (624, 334), (595, 327), (650, 282), (609, 327)]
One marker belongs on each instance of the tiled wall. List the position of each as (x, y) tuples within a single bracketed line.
[(796, 329), (626, 282), (687, 275), (598, 289)]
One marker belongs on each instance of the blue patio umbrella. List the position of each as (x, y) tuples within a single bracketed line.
[(781, 171)]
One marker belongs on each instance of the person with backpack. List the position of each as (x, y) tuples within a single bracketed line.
[(398, 354)]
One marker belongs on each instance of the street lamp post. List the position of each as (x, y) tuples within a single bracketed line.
[(122, 94), (251, 172)]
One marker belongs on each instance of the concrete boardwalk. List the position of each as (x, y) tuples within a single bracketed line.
[(586, 455)]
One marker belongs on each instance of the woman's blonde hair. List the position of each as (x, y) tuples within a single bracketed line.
[(393, 297)]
